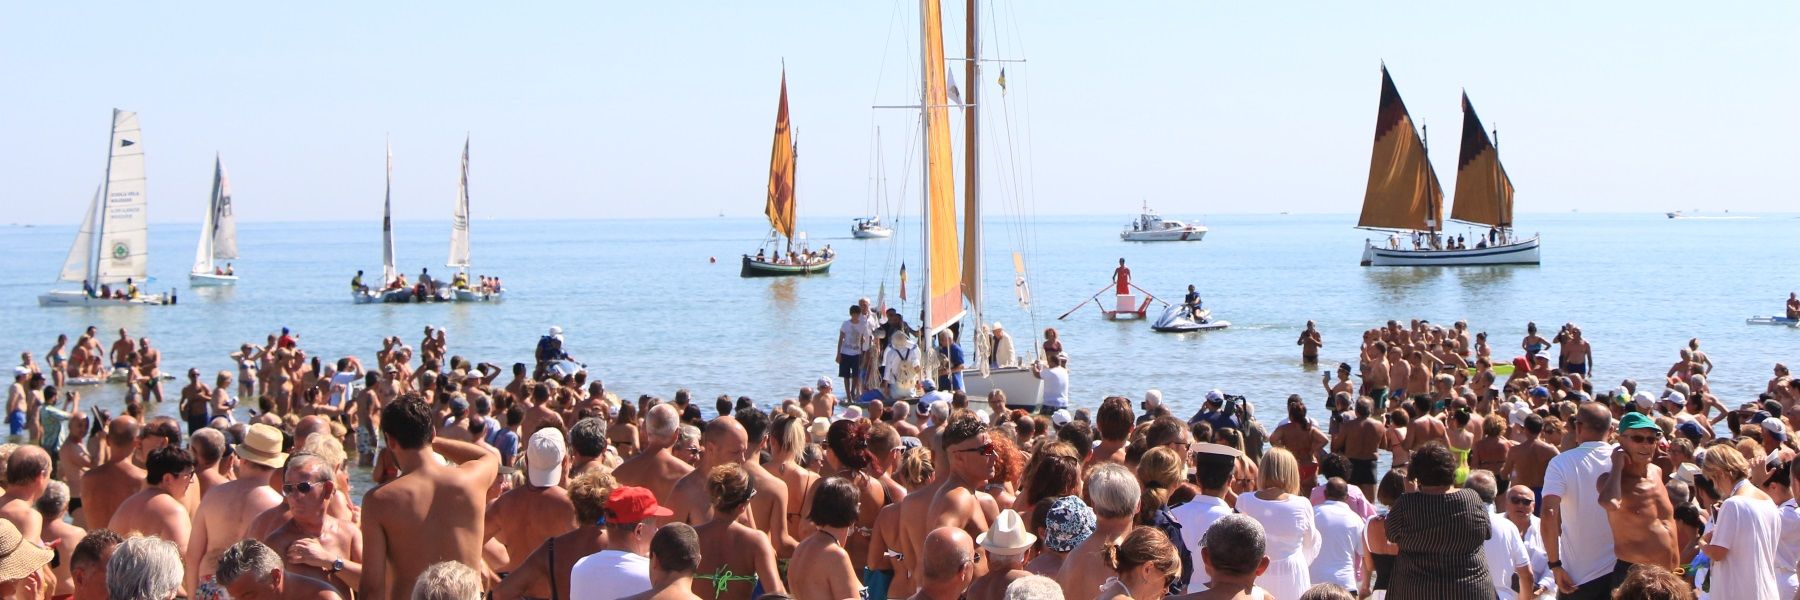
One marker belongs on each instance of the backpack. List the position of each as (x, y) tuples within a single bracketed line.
[(549, 348)]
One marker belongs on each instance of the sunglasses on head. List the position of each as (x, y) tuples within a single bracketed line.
[(985, 449), (304, 487)]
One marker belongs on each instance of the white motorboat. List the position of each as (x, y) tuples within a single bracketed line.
[(870, 228), (111, 248), (1176, 318), (218, 235), (1404, 199), (460, 289), (1151, 227)]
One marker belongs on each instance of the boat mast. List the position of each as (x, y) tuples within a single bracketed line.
[(972, 179), (1434, 222), (1502, 210), (105, 198)]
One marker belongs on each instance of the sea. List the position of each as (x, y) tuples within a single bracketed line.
[(652, 306)]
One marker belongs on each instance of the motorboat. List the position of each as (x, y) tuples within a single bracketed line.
[(1151, 227), (1177, 318)]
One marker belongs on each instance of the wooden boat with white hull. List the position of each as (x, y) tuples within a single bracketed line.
[(775, 259)]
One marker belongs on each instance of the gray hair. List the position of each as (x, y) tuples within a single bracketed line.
[(1235, 543), (54, 501), (298, 463), (901, 410), (939, 411), (448, 580), (144, 568), (1112, 490), (588, 437), (1005, 562), (689, 434), (1482, 482), (660, 423), (248, 557), (1034, 587)]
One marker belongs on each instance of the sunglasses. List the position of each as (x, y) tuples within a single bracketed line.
[(1644, 439), (1520, 501), (304, 487), (985, 449)]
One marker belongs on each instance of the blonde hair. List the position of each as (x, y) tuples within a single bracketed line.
[(1278, 468), (1144, 545), (448, 580), (1159, 471), (1726, 458), (326, 447)]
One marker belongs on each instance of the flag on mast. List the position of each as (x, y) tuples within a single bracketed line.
[(1003, 81), (903, 282), (955, 94)]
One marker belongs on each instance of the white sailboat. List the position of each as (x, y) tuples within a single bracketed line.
[(110, 256), (218, 235), (871, 227), (393, 286), (460, 288)]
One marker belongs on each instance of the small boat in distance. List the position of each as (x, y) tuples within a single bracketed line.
[(218, 235), (1404, 198), (111, 248), (870, 227), (1151, 227), (774, 259), (461, 289)]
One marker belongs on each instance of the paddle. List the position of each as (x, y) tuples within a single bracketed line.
[(1077, 307)]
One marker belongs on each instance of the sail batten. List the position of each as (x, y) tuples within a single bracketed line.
[(944, 266), (459, 219), (124, 229), (1484, 193), (780, 205), (1403, 191)]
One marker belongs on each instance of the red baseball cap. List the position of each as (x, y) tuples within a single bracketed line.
[(631, 504)]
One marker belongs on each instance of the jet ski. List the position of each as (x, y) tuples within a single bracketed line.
[(1178, 319)]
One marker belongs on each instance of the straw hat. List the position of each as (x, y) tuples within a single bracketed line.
[(19, 558), (262, 445), (1008, 535)]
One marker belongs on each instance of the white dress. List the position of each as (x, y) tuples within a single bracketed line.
[(1293, 543)]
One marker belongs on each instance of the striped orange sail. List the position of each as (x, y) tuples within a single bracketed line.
[(1403, 190), (1484, 193), (943, 282), (780, 207)]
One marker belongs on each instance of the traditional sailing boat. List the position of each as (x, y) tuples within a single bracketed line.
[(218, 235), (780, 208), (1404, 197), (870, 227), (461, 289), (120, 228)]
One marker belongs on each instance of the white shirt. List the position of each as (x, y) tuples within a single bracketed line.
[(1195, 517), (1533, 537), (1750, 530), (1341, 544), (855, 334), (1787, 551), (1505, 553), (1586, 543), (609, 574), (1056, 387)]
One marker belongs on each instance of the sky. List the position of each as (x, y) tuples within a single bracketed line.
[(665, 109)]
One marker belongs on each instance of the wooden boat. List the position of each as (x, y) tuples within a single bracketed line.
[(1404, 199), (218, 235), (112, 246), (776, 259)]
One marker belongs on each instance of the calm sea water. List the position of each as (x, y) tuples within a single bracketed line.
[(644, 306)]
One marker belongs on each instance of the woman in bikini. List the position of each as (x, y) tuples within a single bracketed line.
[(58, 376), (787, 440), (623, 434), (739, 563), (821, 567), (849, 458)]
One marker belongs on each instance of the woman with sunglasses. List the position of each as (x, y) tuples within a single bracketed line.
[(1144, 564)]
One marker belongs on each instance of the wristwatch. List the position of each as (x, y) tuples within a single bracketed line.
[(337, 565), (1555, 564)]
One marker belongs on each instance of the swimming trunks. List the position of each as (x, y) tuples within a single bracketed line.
[(1362, 471), (15, 422), (1576, 368), (848, 363)]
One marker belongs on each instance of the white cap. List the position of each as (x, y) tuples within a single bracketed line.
[(997, 325), (1061, 417), (554, 330), (820, 427), (544, 454), (21, 371), (1773, 427), (1215, 396), (986, 416), (1644, 400), (851, 413), (824, 382), (1152, 398)]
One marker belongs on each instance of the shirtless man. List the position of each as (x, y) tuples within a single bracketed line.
[(313, 543), (1426, 429), (195, 398), (1400, 375), (208, 448), (768, 507), (1636, 501), (27, 475), (432, 513), (724, 441), (149, 365), (1526, 463), (824, 403), (251, 569), (1362, 442), (655, 467), (521, 519), (1793, 306), (960, 502), (1309, 343), (106, 486), (121, 351), (1375, 376), (1574, 355), (227, 510), (157, 510), (52, 507), (1114, 493)]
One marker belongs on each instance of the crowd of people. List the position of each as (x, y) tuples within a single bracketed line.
[(541, 483)]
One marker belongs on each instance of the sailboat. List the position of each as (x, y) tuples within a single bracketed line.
[(1405, 199), (393, 286), (218, 235), (110, 256), (870, 227), (460, 288), (795, 258)]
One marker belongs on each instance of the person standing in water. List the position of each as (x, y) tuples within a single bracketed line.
[(1122, 279), (1309, 342)]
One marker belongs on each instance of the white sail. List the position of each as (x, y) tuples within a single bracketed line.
[(80, 264), (459, 220), (224, 225), (124, 226), (388, 272)]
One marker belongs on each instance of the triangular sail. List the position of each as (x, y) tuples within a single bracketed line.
[(79, 265), (944, 284), (224, 226), (388, 272), (1403, 191), (124, 227), (1484, 194), (459, 220), (780, 206)]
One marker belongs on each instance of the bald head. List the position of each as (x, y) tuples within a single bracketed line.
[(724, 429), (311, 425), (1595, 421), (122, 433), (947, 550)]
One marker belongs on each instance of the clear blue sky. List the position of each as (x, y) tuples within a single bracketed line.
[(657, 109)]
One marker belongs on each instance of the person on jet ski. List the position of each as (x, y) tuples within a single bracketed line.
[(1194, 304)]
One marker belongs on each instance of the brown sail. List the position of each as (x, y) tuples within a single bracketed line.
[(780, 207), (1403, 189), (1484, 194)]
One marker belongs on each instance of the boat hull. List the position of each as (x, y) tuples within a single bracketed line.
[(73, 298), (1772, 321), (387, 297), (1518, 253), (478, 296), (210, 280), (871, 233), (1189, 234), (1023, 389), (756, 268)]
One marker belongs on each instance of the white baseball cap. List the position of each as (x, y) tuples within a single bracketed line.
[(1215, 396), (544, 454), (824, 382), (1061, 417)]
